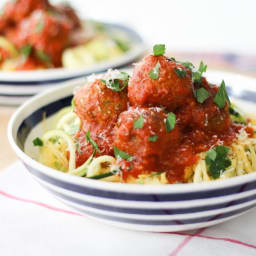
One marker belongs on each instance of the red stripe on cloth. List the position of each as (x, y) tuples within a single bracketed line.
[(38, 203), (185, 241)]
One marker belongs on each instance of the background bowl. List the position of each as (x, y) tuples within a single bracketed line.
[(137, 207), (17, 86)]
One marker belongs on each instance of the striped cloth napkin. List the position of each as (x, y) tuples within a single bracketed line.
[(32, 222)]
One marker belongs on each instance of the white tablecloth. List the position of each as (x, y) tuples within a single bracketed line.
[(34, 223)]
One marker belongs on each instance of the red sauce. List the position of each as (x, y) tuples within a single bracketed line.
[(199, 126), (47, 28)]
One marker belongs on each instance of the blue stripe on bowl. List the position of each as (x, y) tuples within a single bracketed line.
[(36, 117), (168, 197), (166, 222), (159, 211), (16, 95)]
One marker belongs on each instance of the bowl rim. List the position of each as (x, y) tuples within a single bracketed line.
[(118, 187)]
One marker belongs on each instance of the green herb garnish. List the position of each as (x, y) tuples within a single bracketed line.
[(221, 97), (122, 45), (153, 138), (180, 72), (26, 50), (170, 122), (202, 95), (235, 115), (91, 141), (103, 175), (121, 154), (38, 142), (187, 64), (159, 49), (197, 75), (154, 73), (118, 82), (43, 56), (78, 147), (217, 160), (138, 124), (39, 27)]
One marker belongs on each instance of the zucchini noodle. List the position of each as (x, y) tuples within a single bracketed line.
[(59, 152)]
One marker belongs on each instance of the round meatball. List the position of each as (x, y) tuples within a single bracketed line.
[(207, 117), (15, 11), (142, 133), (69, 13), (98, 105), (98, 108), (47, 33), (169, 88)]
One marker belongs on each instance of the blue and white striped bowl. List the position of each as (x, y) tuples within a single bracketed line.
[(137, 207), (18, 86)]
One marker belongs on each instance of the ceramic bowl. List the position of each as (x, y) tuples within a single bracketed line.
[(138, 207)]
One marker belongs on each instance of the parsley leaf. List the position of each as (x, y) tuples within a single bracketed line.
[(187, 64), (39, 27), (180, 72), (43, 56), (154, 73), (197, 75), (153, 138), (221, 96), (235, 115), (138, 124), (217, 160), (91, 141), (26, 50), (38, 142), (170, 122), (202, 95), (114, 83), (121, 154), (159, 49)]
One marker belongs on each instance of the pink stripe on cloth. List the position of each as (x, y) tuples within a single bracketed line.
[(185, 241), (38, 203), (175, 252)]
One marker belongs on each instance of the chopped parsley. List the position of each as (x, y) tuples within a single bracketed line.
[(235, 115), (159, 49), (153, 138), (154, 73), (217, 160), (38, 142), (43, 56), (122, 45), (138, 124), (91, 141), (73, 103), (114, 83), (222, 96), (39, 27), (26, 50), (78, 147), (170, 122), (187, 64), (121, 154), (197, 75), (180, 72), (202, 95)]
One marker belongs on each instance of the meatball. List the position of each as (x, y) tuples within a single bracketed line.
[(147, 143), (98, 108), (170, 89), (47, 33), (207, 117), (98, 105), (68, 12), (15, 11)]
